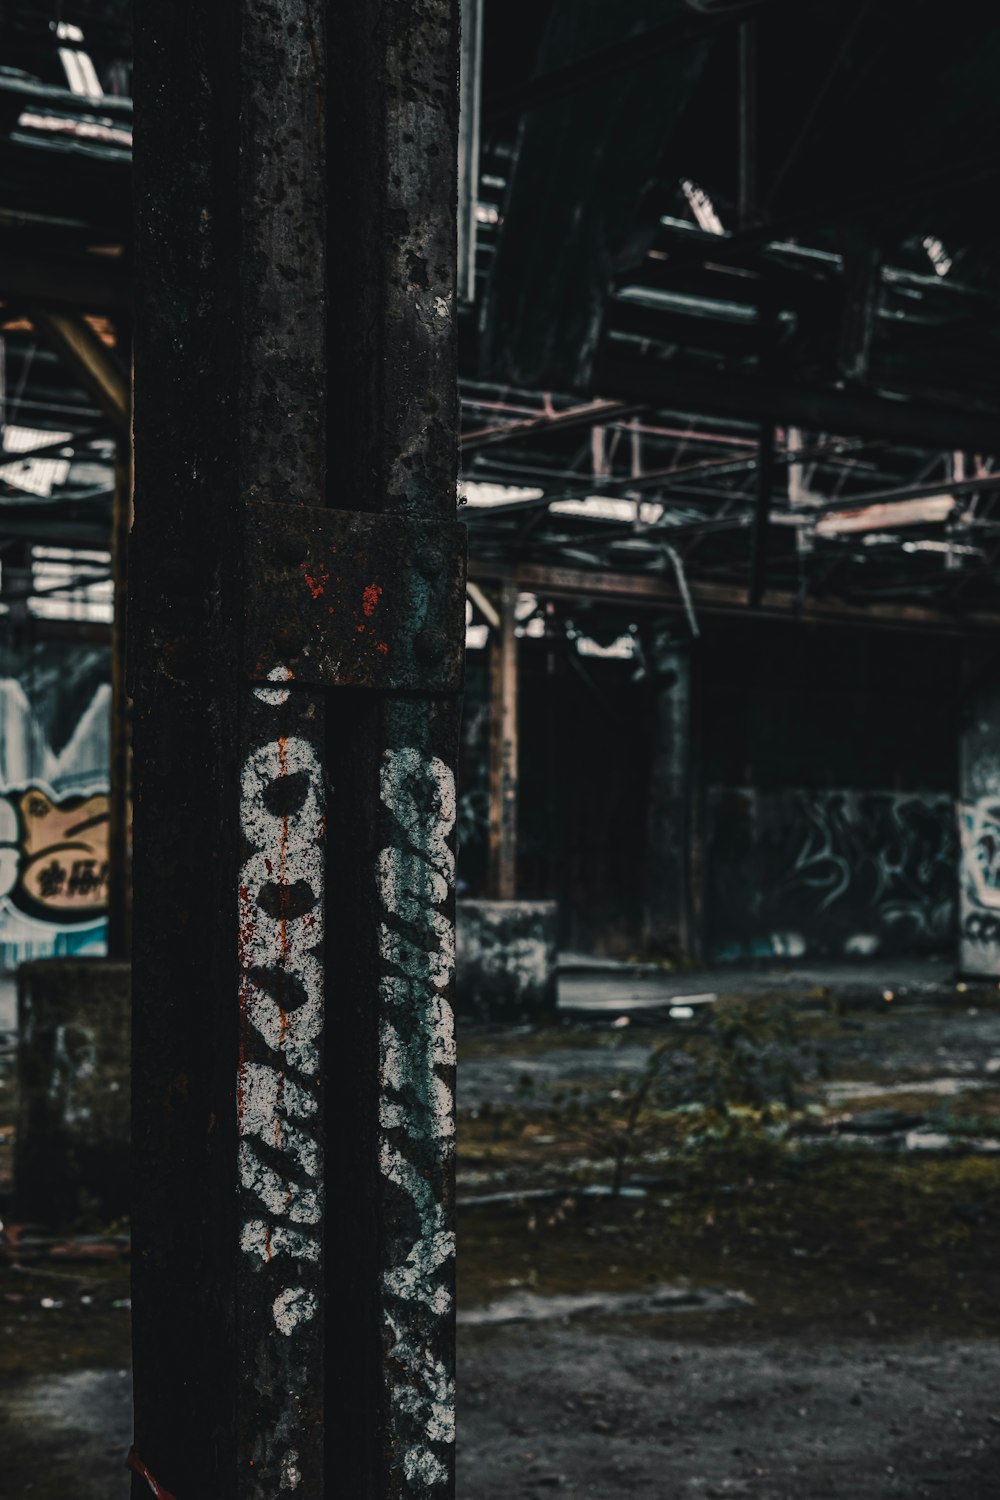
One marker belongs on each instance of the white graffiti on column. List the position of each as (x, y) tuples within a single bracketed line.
[(281, 999), (980, 824), (415, 879)]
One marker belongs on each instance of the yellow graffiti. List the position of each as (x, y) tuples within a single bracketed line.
[(55, 867)]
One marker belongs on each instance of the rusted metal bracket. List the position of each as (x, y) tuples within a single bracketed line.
[(343, 599)]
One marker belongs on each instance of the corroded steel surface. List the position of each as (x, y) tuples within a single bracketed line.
[(296, 723), (346, 599)]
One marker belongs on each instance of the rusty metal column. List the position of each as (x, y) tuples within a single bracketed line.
[(503, 751), (297, 618)]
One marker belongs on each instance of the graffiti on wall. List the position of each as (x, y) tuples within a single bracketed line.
[(979, 824), (54, 757), (839, 873), (54, 854)]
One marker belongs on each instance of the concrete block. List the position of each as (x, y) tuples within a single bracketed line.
[(506, 960), (71, 1161)]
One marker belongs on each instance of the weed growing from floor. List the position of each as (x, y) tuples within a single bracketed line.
[(736, 1069)]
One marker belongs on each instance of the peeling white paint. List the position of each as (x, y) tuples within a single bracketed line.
[(417, 939), (291, 1475), (281, 915), (259, 1238), (266, 1099), (293, 1306), (275, 696), (288, 858), (407, 772), (282, 1196)]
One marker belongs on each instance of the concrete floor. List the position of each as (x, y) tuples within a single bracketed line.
[(607, 1410), (604, 1411), (594, 986), (718, 1397)]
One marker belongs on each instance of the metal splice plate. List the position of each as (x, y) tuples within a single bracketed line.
[(319, 607)]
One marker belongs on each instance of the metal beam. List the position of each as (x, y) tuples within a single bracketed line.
[(90, 362), (984, 484), (296, 671), (593, 413), (597, 67), (483, 603), (681, 389), (657, 591)]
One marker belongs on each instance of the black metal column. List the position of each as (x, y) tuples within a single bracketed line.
[(667, 925), (297, 617)]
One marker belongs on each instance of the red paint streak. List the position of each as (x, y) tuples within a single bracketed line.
[(136, 1464), (315, 583), (370, 598)]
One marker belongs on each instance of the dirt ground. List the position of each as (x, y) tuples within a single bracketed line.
[(793, 1297), (860, 1356), (607, 1409)]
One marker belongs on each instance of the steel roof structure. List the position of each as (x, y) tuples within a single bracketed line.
[(734, 318), (731, 322)]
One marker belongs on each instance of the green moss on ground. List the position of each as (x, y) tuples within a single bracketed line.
[(848, 1242)]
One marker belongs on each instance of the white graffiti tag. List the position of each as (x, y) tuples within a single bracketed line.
[(281, 1009), (980, 826), (415, 878)]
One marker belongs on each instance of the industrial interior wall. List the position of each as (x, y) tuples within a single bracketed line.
[(822, 805), (829, 815), (838, 874), (584, 769), (55, 702)]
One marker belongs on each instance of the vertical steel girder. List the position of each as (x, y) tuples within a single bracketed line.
[(297, 622)]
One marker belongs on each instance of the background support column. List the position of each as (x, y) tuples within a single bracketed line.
[(668, 907), (503, 751), (979, 815), (296, 621)]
